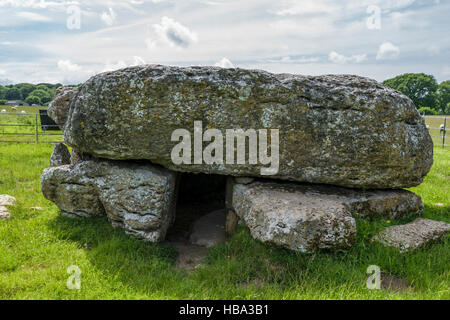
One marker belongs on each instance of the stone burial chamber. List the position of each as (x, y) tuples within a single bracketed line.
[(316, 151)]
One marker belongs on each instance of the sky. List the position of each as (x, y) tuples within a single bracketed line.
[(70, 41)]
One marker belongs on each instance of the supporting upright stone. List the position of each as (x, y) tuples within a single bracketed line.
[(232, 222), (60, 155), (138, 198), (307, 217)]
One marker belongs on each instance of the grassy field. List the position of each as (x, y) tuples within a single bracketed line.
[(27, 125), (37, 247)]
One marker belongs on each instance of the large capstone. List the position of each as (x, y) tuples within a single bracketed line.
[(139, 198), (306, 217), (335, 129)]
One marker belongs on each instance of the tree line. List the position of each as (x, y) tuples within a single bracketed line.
[(39, 94), (428, 96)]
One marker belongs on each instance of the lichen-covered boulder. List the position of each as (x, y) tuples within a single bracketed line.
[(305, 217), (139, 198), (334, 129)]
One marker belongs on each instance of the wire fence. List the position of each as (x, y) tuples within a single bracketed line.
[(28, 127), (20, 126), (438, 127)]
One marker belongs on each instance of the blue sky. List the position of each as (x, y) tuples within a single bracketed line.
[(69, 41)]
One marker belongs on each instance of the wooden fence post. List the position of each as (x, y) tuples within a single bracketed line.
[(443, 133)]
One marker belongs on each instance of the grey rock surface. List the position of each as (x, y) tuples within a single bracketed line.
[(209, 230), (334, 129), (58, 109), (413, 235), (60, 155), (244, 180), (309, 217), (6, 200), (4, 213), (139, 198), (232, 222)]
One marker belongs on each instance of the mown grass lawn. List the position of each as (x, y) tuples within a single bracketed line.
[(37, 247)]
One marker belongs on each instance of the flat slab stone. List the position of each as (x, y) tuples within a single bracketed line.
[(139, 198), (7, 200), (307, 217), (413, 235), (209, 230)]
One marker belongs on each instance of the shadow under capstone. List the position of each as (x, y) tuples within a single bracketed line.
[(198, 195)]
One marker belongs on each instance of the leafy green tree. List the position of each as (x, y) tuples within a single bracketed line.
[(13, 94), (443, 96), (26, 89), (419, 87), (447, 109), (43, 87), (33, 100), (427, 111), (3, 92), (3, 102), (43, 95)]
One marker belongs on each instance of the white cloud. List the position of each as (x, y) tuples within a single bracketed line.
[(305, 27), (137, 61), (174, 33), (32, 3), (109, 18), (111, 66), (32, 16), (2, 72), (339, 58), (306, 7), (288, 59), (68, 66), (150, 43), (114, 66), (224, 63), (280, 36), (388, 51), (8, 43)]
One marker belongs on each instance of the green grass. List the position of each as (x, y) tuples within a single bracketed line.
[(37, 247), (27, 122)]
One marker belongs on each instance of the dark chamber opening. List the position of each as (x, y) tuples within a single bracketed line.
[(198, 195)]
